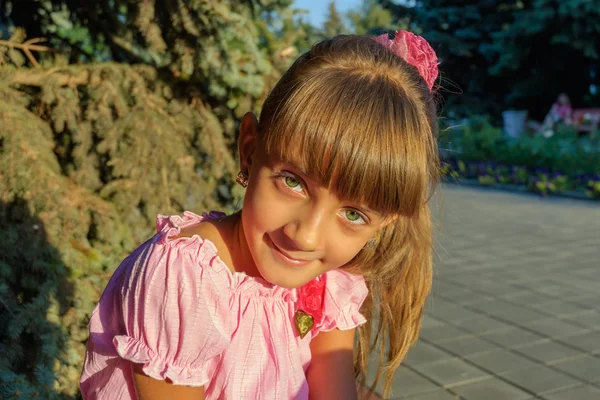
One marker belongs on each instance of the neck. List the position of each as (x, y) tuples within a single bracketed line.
[(240, 253)]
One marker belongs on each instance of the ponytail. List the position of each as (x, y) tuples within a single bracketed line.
[(399, 282)]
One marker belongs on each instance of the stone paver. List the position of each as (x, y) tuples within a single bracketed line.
[(491, 389), (540, 379), (501, 361), (586, 368), (425, 353), (437, 395), (513, 337), (548, 352), (515, 305), (452, 372), (576, 393)]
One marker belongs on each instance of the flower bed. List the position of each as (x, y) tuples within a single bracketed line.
[(538, 180), (562, 164)]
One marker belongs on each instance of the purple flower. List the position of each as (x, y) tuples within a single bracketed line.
[(541, 170)]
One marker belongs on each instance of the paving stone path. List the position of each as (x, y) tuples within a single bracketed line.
[(515, 309)]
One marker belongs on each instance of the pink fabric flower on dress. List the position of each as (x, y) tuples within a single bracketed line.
[(414, 50), (310, 299)]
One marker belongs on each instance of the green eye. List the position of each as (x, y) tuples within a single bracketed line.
[(291, 182), (352, 215)]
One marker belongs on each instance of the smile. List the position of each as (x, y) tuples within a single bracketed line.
[(280, 255)]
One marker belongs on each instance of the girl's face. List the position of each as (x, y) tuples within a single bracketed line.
[(295, 228)]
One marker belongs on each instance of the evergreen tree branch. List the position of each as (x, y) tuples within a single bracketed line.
[(76, 48), (123, 50), (27, 47), (7, 307), (55, 36), (128, 50), (29, 78)]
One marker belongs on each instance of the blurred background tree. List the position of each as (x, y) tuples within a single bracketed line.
[(459, 30), (334, 24), (547, 47), (503, 54), (372, 18)]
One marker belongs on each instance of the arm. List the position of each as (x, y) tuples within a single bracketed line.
[(169, 326), (331, 372), (152, 389)]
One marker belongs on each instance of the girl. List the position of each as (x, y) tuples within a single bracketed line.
[(334, 234), (560, 113)]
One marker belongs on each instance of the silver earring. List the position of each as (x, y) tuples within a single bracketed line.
[(371, 243), (242, 179)]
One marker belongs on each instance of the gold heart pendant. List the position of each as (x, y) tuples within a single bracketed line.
[(304, 322)]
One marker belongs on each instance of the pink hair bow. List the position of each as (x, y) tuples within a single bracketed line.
[(414, 50)]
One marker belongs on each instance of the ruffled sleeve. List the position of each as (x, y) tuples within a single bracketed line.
[(174, 306), (344, 295)]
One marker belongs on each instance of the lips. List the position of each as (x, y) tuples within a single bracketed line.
[(283, 256)]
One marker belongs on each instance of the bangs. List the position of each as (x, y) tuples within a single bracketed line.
[(356, 134)]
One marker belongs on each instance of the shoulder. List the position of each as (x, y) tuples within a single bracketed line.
[(188, 224), (344, 295), (179, 256), (203, 228), (209, 229), (340, 283), (188, 231)]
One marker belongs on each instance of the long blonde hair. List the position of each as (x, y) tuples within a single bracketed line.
[(361, 120)]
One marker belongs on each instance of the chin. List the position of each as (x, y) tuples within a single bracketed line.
[(286, 279), (278, 270)]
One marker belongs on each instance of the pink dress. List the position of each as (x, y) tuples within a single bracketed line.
[(175, 307)]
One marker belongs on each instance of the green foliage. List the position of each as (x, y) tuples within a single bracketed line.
[(459, 32), (447, 170), (81, 186), (334, 25), (475, 140), (593, 189), (478, 140), (545, 184), (371, 18), (43, 305), (548, 47), (219, 48)]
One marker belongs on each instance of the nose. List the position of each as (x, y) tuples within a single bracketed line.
[(304, 230)]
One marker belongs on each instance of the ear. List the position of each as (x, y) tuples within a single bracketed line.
[(247, 141)]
